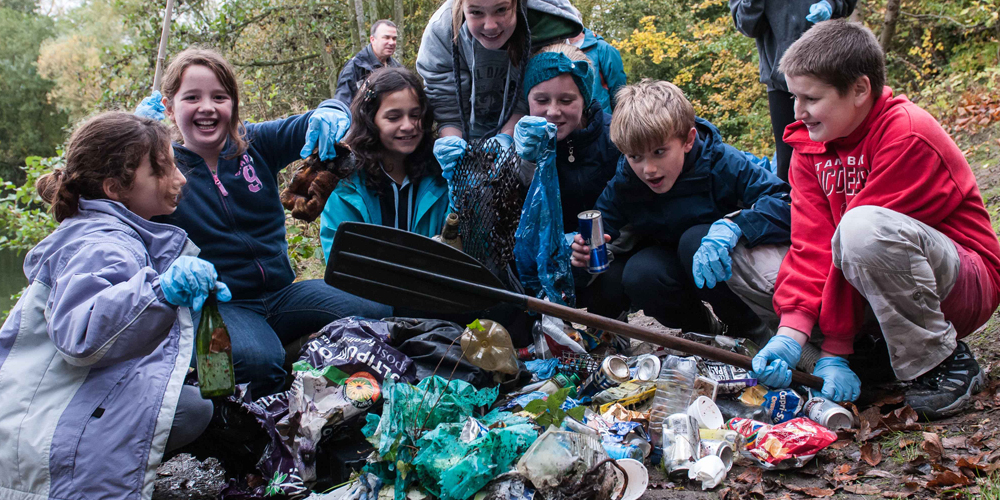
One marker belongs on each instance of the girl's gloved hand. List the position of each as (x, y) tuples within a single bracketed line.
[(531, 135), (448, 150), (773, 365), (502, 141), (151, 107), (839, 382), (189, 280), (819, 11), (327, 126), (712, 263)]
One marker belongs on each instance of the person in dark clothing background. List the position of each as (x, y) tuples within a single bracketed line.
[(378, 53), (776, 25)]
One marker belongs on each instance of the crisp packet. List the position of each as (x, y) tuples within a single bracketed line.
[(783, 405), (750, 429), (790, 444)]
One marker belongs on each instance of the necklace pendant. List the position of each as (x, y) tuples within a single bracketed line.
[(571, 158)]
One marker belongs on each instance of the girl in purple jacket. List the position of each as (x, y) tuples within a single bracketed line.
[(94, 354)]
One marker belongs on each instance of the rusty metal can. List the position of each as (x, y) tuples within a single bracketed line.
[(592, 231)]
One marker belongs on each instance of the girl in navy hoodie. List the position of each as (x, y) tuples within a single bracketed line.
[(232, 212)]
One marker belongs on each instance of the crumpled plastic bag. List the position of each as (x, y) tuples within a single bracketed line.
[(418, 438), (487, 345), (541, 251)]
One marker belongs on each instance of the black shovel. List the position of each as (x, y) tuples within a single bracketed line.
[(399, 268)]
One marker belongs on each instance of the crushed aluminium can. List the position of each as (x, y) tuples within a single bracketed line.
[(592, 231), (645, 367), (612, 372), (828, 414)]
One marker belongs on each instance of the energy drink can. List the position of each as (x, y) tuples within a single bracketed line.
[(592, 231), (613, 372)]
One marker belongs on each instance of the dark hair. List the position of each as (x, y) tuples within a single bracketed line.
[(382, 22), (363, 138), (227, 77), (108, 146), (837, 52)]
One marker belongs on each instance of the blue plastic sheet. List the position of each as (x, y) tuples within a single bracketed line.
[(541, 251)]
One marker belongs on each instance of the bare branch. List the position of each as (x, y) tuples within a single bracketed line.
[(256, 64), (935, 16)]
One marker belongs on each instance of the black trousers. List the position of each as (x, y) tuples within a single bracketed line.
[(782, 115), (659, 280)]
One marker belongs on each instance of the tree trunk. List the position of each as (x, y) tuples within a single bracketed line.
[(858, 16), (397, 17), (889, 26), (355, 43), (331, 66), (359, 10)]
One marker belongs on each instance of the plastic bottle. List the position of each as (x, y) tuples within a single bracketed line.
[(674, 387), (560, 381), (450, 234), (214, 353)]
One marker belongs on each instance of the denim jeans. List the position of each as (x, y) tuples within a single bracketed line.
[(260, 327)]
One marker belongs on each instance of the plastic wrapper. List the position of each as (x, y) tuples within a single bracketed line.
[(487, 345), (542, 369), (790, 444), (783, 405), (541, 251), (631, 389), (560, 455), (730, 379), (751, 430)]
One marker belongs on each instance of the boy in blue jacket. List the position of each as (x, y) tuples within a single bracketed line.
[(691, 199)]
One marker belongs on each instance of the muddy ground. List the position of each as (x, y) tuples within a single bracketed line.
[(889, 456)]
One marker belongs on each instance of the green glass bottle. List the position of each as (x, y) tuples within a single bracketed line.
[(214, 352)]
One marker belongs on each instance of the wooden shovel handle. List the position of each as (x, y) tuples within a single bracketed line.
[(658, 338)]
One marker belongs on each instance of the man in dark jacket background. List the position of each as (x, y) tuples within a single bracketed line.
[(376, 54)]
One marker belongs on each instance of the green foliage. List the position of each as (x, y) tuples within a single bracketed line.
[(549, 410), (29, 123), (24, 218)]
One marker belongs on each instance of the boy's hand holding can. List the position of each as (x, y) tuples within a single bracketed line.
[(581, 252)]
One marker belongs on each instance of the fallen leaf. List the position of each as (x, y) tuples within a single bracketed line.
[(975, 463), (903, 443), (948, 479), (811, 491), (862, 489), (932, 445), (871, 453), (881, 473), (889, 400), (902, 419), (912, 486), (838, 445), (896, 494), (751, 476), (954, 442)]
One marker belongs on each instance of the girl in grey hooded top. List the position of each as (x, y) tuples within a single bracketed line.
[(476, 91)]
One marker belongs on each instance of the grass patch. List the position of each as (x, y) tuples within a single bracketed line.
[(989, 488), (901, 455)]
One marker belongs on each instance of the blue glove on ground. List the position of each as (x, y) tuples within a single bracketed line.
[(151, 107), (502, 141), (327, 126), (531, 135), (448, 151), (189, 280), (819, 11), (839, 382), (773, 365), (712, 263)]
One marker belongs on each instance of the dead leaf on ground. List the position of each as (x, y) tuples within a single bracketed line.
[(871, 453), (932, 445), (903, 443), (914, 466), (902, 419), (948, 479), (842, 474), (896, 494), (862, 489), (881, 473), (839, 445), (751, 475), (889, 400), (811, 491), (976, 464)]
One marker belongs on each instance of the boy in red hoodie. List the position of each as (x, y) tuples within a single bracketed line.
[(886, 215)]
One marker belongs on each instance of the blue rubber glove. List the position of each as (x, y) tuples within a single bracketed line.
[(712, 263), (326, 126), (151, 107), (819, 11), (531, 136), (448, 151), (502, 141), (189, 280), (839, 382), (773, 365)]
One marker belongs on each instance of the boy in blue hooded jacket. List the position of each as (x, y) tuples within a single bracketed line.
[(691, 199)]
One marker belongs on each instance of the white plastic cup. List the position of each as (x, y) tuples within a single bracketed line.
[(706, 413)]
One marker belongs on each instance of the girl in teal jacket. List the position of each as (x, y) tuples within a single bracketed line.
[(396, 181)]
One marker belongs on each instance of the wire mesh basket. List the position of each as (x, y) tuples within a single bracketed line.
[(488, 199)]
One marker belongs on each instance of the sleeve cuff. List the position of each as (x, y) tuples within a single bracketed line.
[(798, 320), (841, 346)]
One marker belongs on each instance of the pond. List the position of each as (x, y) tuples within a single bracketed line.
[(12, 278)]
